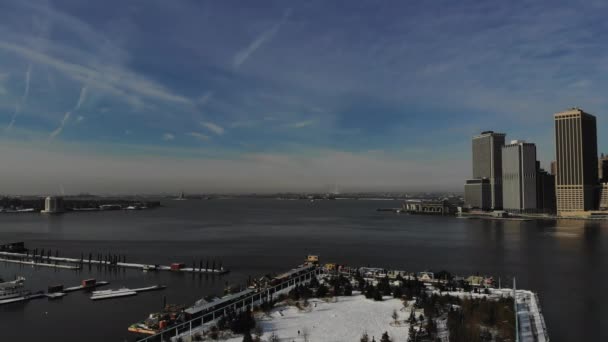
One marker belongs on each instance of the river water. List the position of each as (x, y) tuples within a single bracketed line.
[(564, 261)]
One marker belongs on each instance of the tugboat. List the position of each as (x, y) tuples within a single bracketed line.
[(13, 289), (156, 322)]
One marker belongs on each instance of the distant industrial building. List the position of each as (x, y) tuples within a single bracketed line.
[(545, 191), (53, 205), (577, 162), (519, 177), (478, 194), (487, 163)]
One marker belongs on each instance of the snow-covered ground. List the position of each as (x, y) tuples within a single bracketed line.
[(344, 320)]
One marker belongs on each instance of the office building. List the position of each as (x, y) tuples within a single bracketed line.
[(577, 162), (602, 168), (519, 177), (487, 163), (603, 196), (553, 169), (477, 194), (545, 191)]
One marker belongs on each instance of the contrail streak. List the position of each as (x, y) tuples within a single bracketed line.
[(66, 116), (21, 103)]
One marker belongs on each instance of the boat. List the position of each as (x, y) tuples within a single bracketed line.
[(86, 284), (13, 289), (158, 321), (56, 295)]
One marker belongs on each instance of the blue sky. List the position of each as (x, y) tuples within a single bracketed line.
[(146, 96)]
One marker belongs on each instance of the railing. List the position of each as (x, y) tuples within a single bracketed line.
[(264, 295)]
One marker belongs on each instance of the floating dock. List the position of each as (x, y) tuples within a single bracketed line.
[(42, 264), (124, 292), (79, 262), (22, 299)]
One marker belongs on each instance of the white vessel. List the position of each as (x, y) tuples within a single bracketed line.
[(13, 289)]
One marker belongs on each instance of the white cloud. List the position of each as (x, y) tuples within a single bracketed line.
[(219, 130), (302, 124), (168, 137), (205, 98), (198, 136)]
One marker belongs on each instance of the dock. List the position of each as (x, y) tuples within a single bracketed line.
[(124, 292), (22, 299), (41, 264), (77, 263)]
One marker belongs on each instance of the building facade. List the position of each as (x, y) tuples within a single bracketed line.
[(519, 177), (545, 191), (576, 157), (603, 196), (487, 163), (602, 168), (53, 205), (477, 194)]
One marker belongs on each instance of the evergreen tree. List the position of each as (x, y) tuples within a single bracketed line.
[(385, 337), (364, 338), (247, 336)]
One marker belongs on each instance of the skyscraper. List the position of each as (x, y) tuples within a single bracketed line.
[(602, 168), (577, 162), (519, 177), (487, 163), (545, 190)]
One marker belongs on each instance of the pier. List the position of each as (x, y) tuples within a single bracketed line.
[(237, 303), (110, 261)]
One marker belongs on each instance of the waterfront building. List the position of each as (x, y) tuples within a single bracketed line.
[(519, 177), (53, 205), (602, 168), (487, 163), (576, 154), (431, 207), (545, 191), (477, 194)]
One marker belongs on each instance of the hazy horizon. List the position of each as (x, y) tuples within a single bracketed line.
[(158, 96)]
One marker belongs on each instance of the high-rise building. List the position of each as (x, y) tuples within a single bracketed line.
[(545, 190), (519, 177), (553, 169), (576, 154), (487, 163), (53, 205), (477, 194), (602, 168)]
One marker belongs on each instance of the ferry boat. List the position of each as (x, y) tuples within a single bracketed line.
[(13, 289)]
